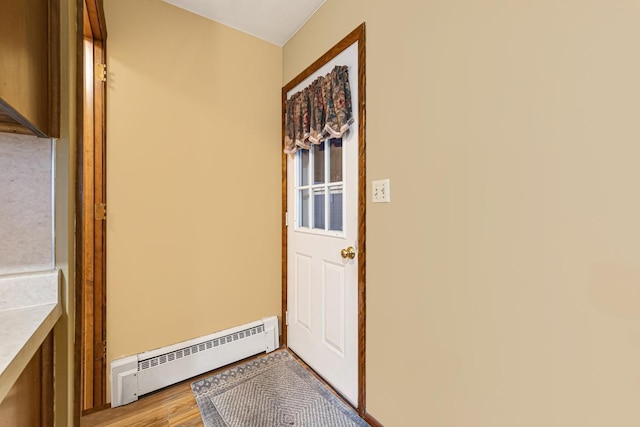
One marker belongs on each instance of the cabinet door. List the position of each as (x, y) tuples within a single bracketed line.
[(29, 67), (30, 400)]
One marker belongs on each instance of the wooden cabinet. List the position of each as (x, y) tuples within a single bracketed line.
[(30, 401), (30, 67)]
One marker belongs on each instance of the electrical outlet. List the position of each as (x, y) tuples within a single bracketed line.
[(381, 191)]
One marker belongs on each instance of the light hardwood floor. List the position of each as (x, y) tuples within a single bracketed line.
[(173, 406)]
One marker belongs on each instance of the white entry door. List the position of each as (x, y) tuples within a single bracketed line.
[(322, 261)]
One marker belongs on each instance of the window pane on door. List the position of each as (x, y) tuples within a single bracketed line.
[(335, 208), (319, 188), (335, 162), (303, 209), (304, 167), (318, 208), (318, 163)]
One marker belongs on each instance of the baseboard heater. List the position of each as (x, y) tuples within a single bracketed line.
[(134, 376)]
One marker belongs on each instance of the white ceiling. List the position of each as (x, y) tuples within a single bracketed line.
[(275, 21)]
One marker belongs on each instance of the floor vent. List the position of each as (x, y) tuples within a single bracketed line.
[(134, 376)]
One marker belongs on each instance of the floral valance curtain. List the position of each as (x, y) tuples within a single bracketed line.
[(320, 111)]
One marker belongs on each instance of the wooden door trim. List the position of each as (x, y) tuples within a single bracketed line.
[(357, 35), (90, 257), (97, 21)]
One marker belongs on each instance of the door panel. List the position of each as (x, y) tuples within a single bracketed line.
[(334, 307), (303, 291), (322, 201)]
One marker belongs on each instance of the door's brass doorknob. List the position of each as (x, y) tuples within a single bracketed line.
[(350, 253)]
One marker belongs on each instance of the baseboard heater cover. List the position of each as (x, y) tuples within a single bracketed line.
[(134, 376)]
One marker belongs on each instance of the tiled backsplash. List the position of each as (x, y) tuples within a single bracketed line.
[(26, 200)]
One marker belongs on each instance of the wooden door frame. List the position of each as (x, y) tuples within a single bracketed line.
[(357, 35), (90, 256)]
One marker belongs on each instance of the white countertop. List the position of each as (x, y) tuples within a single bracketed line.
[(29, 308)]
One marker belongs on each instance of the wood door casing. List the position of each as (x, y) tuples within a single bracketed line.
[(90, 348)]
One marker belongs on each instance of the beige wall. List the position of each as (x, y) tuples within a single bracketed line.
[(504, 277), (193, 175), (65, 160)]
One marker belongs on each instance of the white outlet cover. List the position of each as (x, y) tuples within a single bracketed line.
[(381, 191)]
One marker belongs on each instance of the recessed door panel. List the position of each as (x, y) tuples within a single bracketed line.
[(334, 307), (303, 291)]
